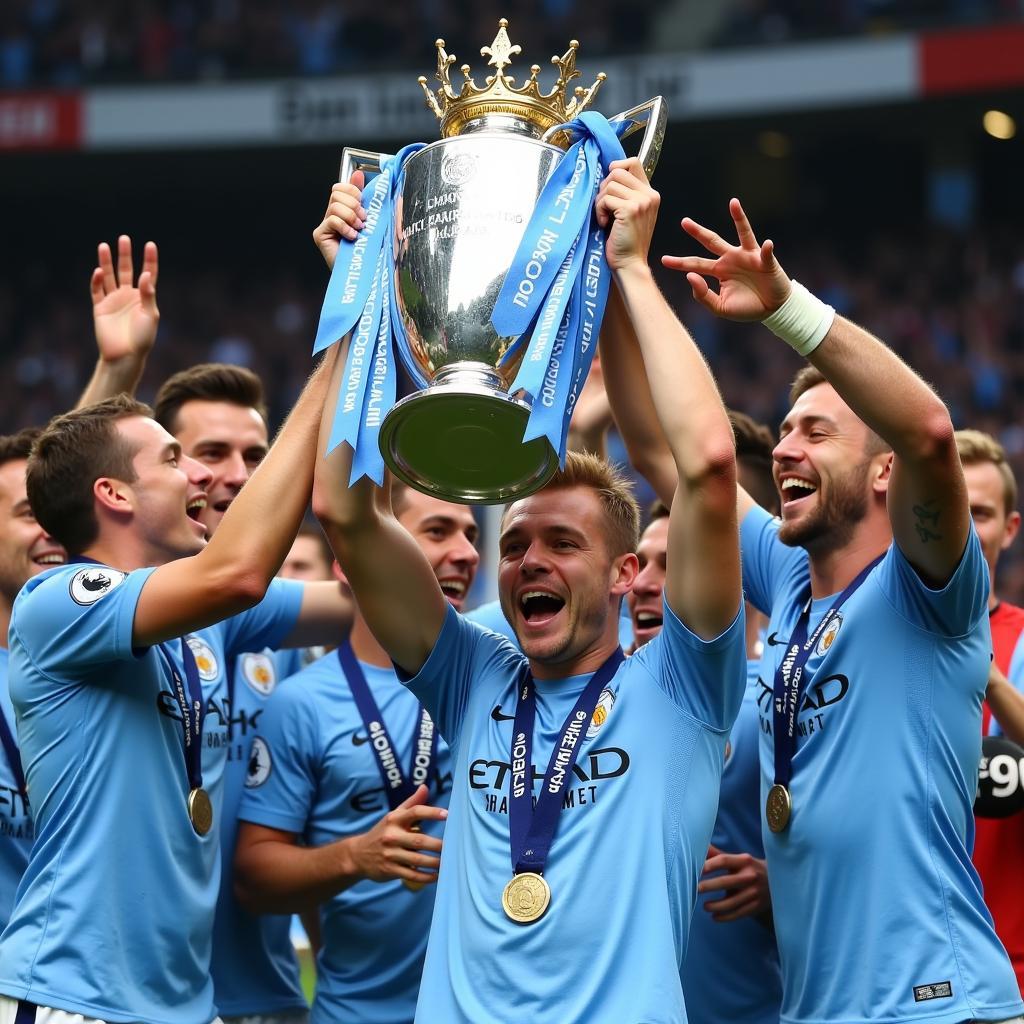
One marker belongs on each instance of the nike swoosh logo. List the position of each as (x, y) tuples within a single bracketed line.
[(499, 717), (359, 740), (772, 640)]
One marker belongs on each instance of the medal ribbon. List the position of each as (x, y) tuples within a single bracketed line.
[(788, 686), (193, 710), (558, 282), (192, 705), (398, 785), (360, 298), (13, 755), (532, 829)]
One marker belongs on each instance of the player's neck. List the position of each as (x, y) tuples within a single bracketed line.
[(580, 664), (833, 571), (121, 551), (365, 646)]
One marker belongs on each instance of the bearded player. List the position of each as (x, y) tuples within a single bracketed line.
[(875, 666)]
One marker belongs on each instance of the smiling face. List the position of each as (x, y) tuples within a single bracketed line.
[(230, 440), (827, 476), (447, 533), (168, 494), (25, 547), (645, 599), (996, 527), (559, 584)]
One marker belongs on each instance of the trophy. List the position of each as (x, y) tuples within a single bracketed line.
[(460, 213)]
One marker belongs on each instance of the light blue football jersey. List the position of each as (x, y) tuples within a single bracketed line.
[(878, 910), (493, 618), (254, 966), (630, 841), (16, 830), (732, 968), (315, 774), (114, 915)]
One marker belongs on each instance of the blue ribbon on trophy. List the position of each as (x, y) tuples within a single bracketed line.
[(558, 282), (360, 298)]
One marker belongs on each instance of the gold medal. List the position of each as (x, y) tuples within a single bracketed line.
[(778, 807), (200, 811), (526, 897)]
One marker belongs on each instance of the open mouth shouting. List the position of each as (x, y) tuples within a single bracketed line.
[(795, 489), (538, 608), (194, 509), (454, 589), (647, 623)]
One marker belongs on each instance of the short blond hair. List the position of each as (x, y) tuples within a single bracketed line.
[(975, 448), (615, 492)]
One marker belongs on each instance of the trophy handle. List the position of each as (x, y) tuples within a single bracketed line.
[(651, 116), (353, 160)]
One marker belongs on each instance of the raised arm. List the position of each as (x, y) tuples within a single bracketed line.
[(235, 568), (702, 583), (125, 320), (927, 496), (392, 580)]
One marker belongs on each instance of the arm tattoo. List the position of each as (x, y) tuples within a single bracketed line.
[(927, 521)]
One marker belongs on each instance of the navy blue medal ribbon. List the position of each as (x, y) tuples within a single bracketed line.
[(13, 755), (193, 710), (532, 829), (399, 785), (789, 683)]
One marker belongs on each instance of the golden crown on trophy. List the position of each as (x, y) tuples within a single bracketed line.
[(455, 109)]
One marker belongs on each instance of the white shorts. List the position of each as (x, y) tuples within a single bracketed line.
[(14, 1011)]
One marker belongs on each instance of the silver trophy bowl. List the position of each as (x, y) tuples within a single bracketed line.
[(463, 209)]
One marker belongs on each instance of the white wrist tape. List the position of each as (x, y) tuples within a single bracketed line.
[(802, 321)]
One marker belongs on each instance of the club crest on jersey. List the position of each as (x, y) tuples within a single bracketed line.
[(89, 585), (259, 672), (259, 764), (828, 638), (604, 708), (206, 660)]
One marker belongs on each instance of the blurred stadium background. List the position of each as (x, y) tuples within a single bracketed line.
[(877, 141)]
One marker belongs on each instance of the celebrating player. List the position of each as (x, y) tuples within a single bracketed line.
[(575, 910)]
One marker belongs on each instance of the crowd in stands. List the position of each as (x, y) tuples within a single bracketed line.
[(956, 313), (68, 43)]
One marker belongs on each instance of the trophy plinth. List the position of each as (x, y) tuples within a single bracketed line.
[(462, 439)]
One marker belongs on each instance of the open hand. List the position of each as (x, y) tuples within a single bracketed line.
[(345, 217), (745, 885), (125, 318), (752, 284), (396, 848)]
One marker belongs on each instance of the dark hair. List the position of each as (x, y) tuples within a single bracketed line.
[(68, 457), (17, 447), (657, 510), (754, 445), (208, 382)]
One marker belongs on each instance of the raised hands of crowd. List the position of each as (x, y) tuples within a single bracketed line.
[(751, 282), (124, 314)]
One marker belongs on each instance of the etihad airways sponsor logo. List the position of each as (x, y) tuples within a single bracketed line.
[(818, 699)]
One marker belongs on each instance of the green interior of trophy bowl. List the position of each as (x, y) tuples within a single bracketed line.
[(465, 447)]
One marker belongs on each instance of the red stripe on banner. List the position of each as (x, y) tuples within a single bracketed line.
[(990, 58), (40, 121)]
